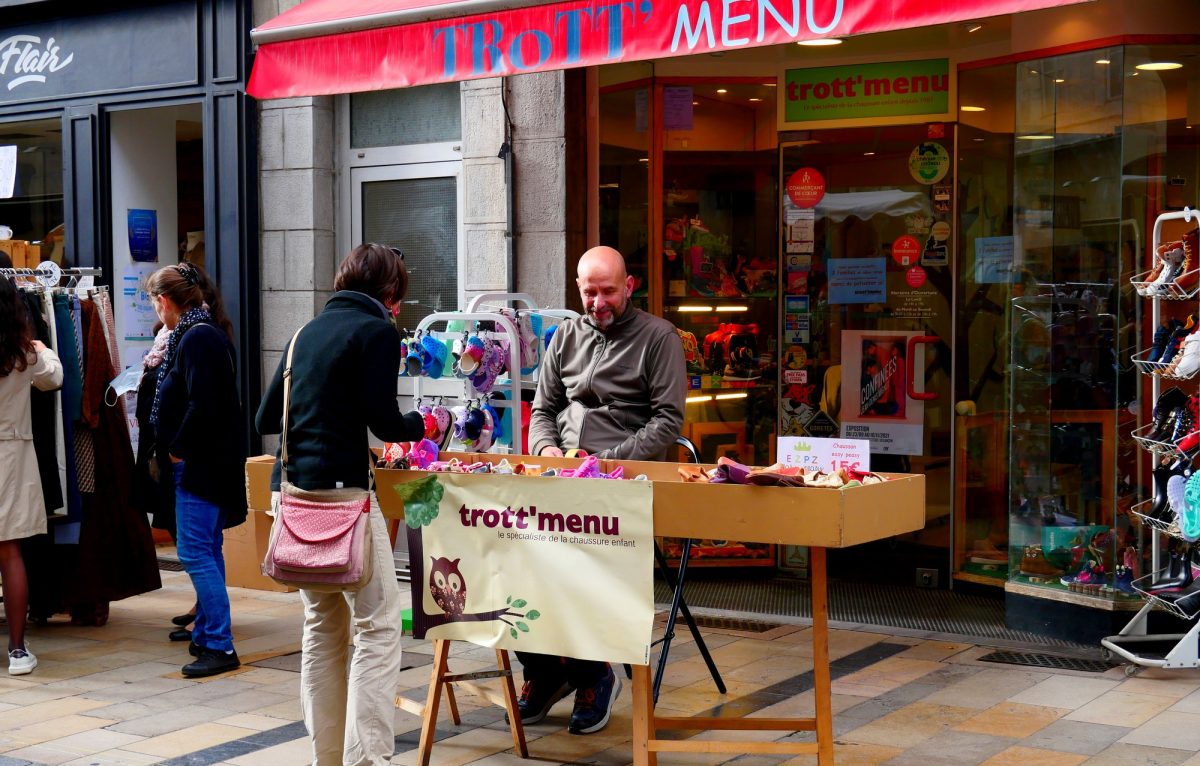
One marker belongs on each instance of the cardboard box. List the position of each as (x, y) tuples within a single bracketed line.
[(258, 482), (830, 518), (15, 248)]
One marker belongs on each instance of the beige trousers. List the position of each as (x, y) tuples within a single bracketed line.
[(350, 718)]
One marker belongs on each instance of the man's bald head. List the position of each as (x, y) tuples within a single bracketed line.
[(604, 285)]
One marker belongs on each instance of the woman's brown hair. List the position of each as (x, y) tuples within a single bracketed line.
[(377, 270), (188, 286), (16, 332)]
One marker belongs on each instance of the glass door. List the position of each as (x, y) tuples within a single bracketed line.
[(867, 316)]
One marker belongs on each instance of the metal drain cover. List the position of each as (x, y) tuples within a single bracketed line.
[(170, 565), (1053, 661), (731, 623)]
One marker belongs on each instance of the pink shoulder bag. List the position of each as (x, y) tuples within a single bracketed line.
[(321, 538)]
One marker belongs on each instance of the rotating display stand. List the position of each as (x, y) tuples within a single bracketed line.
[(1135, 643)]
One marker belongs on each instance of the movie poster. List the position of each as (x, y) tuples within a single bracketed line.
[(876, 404)]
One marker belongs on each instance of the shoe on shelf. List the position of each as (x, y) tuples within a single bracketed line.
[(1034, 563), (210, 663), (21, 662), (593, 705), (537, 697)]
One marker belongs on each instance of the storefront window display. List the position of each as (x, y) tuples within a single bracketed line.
[(31, 190), (1101, 147)]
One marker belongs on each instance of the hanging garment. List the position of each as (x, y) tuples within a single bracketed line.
[(42, 410)]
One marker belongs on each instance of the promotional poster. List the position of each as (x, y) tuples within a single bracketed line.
[(555, 566), (876, 405)]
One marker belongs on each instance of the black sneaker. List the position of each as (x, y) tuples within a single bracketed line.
[(537, 697), (210, 663), (194, 649), (593, 705)]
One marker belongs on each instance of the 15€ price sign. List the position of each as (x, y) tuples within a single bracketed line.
[(827, 455)]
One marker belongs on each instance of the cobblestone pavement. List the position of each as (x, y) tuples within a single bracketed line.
[(114, 695)]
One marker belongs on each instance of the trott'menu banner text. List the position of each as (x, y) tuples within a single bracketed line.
[(554, 566)]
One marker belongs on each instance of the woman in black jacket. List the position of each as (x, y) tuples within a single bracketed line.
[(343, 384), (197, 419)]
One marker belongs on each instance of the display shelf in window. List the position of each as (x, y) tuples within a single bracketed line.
[(1189, 611)]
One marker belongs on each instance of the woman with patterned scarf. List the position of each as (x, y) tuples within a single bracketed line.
[(197, 420)]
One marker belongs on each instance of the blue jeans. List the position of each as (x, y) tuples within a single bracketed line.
[(199, 534)]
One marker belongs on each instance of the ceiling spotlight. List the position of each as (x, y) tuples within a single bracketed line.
[(721, 90), (977, 140), (1103, 62), (868, 154), (821, 42), (972, 109), (1059, 80), (771, 84), (973, 27), (695, 103), (643, 159), (1035, 137), (1158, 66), (756, 99)]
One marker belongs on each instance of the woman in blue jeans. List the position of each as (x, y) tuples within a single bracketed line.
[(197, 421)]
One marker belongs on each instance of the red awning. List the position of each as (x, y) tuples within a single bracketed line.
[(323, 47)]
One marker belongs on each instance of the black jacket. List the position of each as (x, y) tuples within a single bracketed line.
[(344, 375), (200, 420)]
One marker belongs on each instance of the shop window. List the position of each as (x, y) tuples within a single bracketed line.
[(31, 191), (422, 115)]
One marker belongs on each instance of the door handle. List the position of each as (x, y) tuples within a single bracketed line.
[(912, 367)]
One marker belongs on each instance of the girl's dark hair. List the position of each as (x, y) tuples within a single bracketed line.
[(16, 332), (189, 286), (377, 270)]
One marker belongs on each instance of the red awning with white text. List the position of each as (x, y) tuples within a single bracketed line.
[(322, 47)]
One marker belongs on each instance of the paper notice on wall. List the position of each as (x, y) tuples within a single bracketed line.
[(8, 171), (876, 404), (801, 224), (138, 309)]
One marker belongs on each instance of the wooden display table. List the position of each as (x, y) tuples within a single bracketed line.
[(815, 517)]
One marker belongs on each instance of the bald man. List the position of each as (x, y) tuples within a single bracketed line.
[(612, 384)]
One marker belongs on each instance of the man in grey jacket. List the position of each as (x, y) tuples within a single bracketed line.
[(612, 384)]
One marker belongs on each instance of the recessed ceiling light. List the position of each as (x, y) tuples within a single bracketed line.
[(974, 28), (695, 103), (1033, 71), (771, 84), (1035, 137), (821, 42), (972, 109), (643, 159), (977, 140), (1159, 66), (756, 99), (721, 90), (1103, 62), (1059, 80), (868, 154)]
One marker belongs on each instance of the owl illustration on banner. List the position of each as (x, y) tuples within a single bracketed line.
[(447, 586)]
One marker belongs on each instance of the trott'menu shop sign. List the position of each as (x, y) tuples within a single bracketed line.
[(867, 90)]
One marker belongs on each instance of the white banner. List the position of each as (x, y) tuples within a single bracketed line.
[(547, 565)]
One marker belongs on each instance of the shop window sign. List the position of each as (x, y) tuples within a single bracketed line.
[(867, 90)]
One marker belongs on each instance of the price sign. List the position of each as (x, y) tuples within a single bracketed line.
[(827, 455)]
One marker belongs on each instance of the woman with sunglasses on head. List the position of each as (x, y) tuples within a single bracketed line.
[(343, 384), (24, 362), (196, 415)]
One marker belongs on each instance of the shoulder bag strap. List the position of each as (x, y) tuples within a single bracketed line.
[(287, 395)]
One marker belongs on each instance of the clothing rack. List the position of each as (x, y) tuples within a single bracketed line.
[(49, 274)]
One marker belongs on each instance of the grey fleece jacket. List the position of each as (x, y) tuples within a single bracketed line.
[(616, 394)]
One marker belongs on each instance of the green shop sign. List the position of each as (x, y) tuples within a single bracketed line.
[(867, 90)]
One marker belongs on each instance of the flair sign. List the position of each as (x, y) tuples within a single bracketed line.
[(867, 90)]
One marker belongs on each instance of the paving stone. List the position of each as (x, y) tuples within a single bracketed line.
[(1076, 737)]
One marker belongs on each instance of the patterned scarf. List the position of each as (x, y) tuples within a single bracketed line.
[(186, 322)]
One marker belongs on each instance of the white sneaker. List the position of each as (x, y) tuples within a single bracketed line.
[(21, 662)]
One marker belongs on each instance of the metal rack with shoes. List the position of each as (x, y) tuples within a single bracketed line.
[(1172, 439)]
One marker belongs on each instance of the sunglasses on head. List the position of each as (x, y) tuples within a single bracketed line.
[(398, 252)]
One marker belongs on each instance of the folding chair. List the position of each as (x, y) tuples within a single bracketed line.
[(675, 582)]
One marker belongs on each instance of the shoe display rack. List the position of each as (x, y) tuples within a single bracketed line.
[(1172, 438), (507, 390)]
